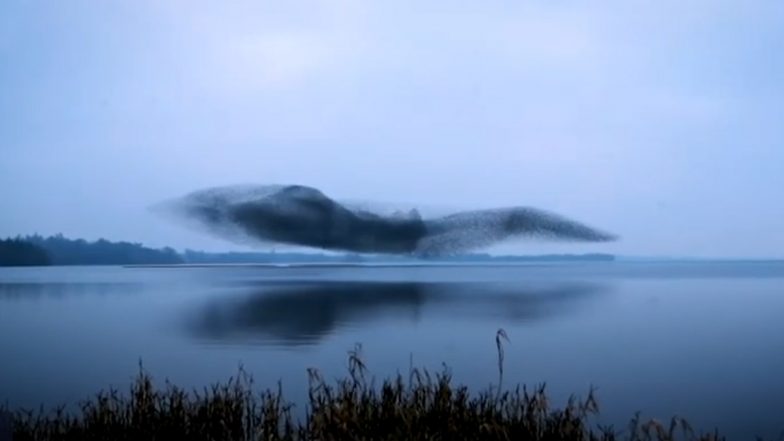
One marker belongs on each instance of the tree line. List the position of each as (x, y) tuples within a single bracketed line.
[(59, 250), (19, 252)]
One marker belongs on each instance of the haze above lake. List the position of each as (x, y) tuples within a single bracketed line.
[(694, 339)]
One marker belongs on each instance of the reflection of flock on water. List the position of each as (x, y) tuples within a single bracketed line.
[(295, 313)]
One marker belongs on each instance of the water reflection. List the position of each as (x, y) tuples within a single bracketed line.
[(304, 313), (33, 291)]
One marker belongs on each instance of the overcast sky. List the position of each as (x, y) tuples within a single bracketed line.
[(661, 121)]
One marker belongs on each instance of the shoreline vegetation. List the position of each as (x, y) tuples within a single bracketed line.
[(419, 406), (58, 250), (19, 252)]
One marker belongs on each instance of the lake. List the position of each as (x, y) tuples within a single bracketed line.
[(700, 340)]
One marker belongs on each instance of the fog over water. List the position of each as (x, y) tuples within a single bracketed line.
[(699, 340)]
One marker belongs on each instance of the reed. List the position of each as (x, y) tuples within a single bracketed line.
[(424, 406)]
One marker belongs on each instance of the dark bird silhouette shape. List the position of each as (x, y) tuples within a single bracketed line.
[(300, 215)]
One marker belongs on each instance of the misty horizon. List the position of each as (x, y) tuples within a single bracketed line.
[(253, 252), (664, 131)]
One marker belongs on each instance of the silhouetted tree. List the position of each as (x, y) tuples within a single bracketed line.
[(18, 252), (63, 251)]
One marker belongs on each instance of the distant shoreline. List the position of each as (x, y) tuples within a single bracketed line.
[(61, 251), (36, 251), (351, 264)]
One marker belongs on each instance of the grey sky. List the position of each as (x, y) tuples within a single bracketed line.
[(660, 121)]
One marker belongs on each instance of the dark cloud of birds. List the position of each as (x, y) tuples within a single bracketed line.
[(304, 216)]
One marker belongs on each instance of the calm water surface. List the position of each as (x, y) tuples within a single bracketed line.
[(700, 340)]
